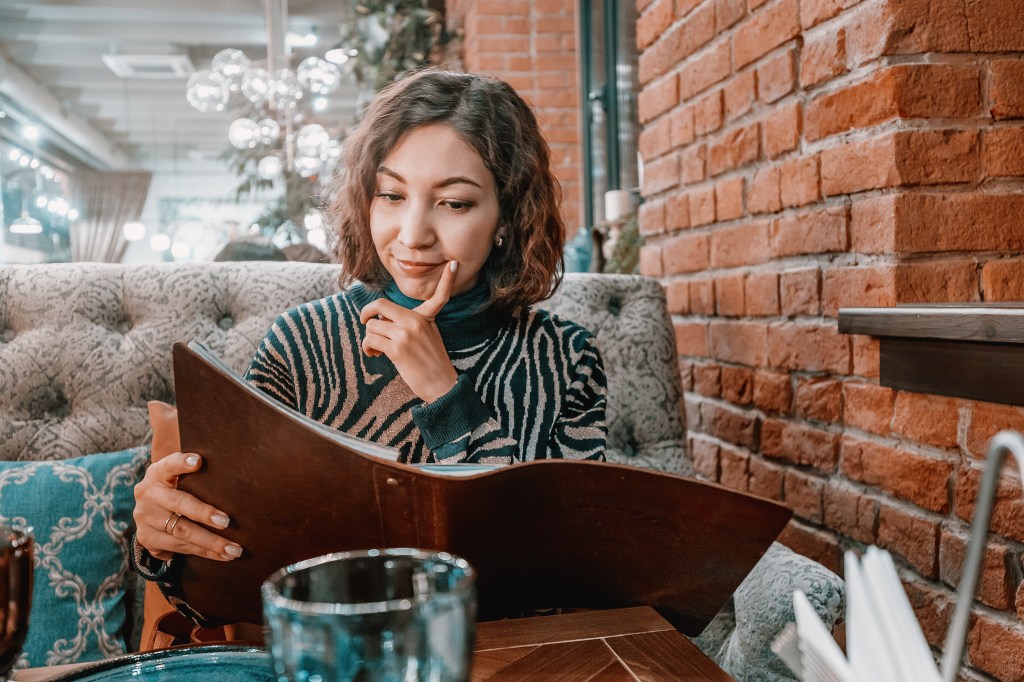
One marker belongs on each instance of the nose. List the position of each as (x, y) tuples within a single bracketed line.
[(416, 228)]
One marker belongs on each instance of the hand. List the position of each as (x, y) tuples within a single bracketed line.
[(167, 519), (412, 341)]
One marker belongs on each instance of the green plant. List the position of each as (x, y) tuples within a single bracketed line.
[(625, 255)]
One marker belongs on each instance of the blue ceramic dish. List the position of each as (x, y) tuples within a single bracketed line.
[(223, 662)]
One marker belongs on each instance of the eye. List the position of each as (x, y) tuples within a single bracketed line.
[(390, 197), (456, 205)]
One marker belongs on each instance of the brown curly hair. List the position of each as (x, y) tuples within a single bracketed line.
[(495, 121)]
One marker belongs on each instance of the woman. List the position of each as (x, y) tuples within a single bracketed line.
[(448, 215)]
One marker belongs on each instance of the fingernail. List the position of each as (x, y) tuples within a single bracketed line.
[(233, 550), (192, 460), (454, 266), (220, 520)]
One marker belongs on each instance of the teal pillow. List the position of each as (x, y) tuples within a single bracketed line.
[(80, 511)]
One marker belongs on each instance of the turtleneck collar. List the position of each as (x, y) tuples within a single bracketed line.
[(464, 321)]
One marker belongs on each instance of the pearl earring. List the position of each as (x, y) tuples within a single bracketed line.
[(500, 241)]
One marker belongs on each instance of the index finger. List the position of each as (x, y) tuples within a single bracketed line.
[(432, 306)]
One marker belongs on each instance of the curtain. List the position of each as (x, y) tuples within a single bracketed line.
[(106, 200)]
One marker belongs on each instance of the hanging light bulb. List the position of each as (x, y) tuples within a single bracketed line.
[(26, 224), (319, 76), (270, 130), (231, 64), (285, 90), (159, 242), (134, 231), (243, 133), (312, 140), (256, 85), (207, 91), (269, 167)]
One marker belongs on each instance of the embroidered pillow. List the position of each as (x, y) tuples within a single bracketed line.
[(80, 511)]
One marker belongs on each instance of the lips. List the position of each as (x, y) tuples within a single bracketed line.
[(413, 267)]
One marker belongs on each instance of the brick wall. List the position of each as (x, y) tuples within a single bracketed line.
[(532, 45), (805, 155)]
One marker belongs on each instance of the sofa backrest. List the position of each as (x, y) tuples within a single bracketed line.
[(84, 346)]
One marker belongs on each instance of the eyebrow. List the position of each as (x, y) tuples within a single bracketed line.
[(458, 179)]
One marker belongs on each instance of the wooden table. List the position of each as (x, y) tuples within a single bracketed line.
[(619, 644), (601, 646)]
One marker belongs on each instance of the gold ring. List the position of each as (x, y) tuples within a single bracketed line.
[(171, 516), (174, 523)]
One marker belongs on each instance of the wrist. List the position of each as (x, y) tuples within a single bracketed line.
[(440, 387)]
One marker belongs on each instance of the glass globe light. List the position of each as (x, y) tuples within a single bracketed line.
[(285, 90), (312, 140), (334, 149), (308, 166), (232, 65), (312, 220), (207, 91), (159, 242), (181, 249), (269, 167), (256, 85), (133, 231), (269, 131), (319, 76), (243, 133)]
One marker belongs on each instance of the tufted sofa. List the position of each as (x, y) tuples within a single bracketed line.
[(83, 347)]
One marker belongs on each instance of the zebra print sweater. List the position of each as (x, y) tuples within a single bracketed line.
[(530, 386)]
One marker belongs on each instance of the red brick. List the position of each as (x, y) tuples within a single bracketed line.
[(1005, 93), (813, 12), (814, 544), (958, 222), (684, 7), (798, 181), (691, 338), (704, 69), (651, 217), (734, 473), (659, 58), (764, 193), (782, 130), (911, 535), (707, 379), (800, 444), (650, 260), (819, 231), (819, 399), (997, 647), (728, 12), (808, 347), (745, 343), (933, 609), (985, 420), (1008, 511), (953, 281), (865, 356), (799, 291), (997, 583), (823, 57), (773, 392), (677, 212), (653, 23), (738, 385), (738, 95), (691, 164), (729, 198), (873, 224), (729, 294), (729, 423), (654, 141), (903, 91), (1003, 280), (908, 475), (869, 407), (705, 457), (762, 294), (1003, 152), (858, 165), (661, 175), (765, 478), (708, 113), (702, 205), (702, 296), (681, 130), (858, 287), (745, 244), (687, 252), (692, 408), (930, 157), (928, 419), (735, 148), (850, 512), (775, 77), (766, 29), (657, 98), (697, 29), (805, 495), (677, 297)]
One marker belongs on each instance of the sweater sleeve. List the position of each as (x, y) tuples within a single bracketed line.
[(459, 428), (270, 370), (167, 576)]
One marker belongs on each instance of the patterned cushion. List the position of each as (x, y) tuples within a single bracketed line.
[(80, 510)]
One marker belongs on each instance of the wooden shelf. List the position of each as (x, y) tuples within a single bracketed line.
[(965, 351)]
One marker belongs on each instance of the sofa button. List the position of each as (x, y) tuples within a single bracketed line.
[(124, 326), (226, 323), (614, 305)]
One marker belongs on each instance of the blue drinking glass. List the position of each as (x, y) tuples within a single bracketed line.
[(389, 615)]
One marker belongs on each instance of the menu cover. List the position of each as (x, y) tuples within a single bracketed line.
[(540, 534)]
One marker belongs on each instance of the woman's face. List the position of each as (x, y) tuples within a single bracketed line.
[(435, 202)]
